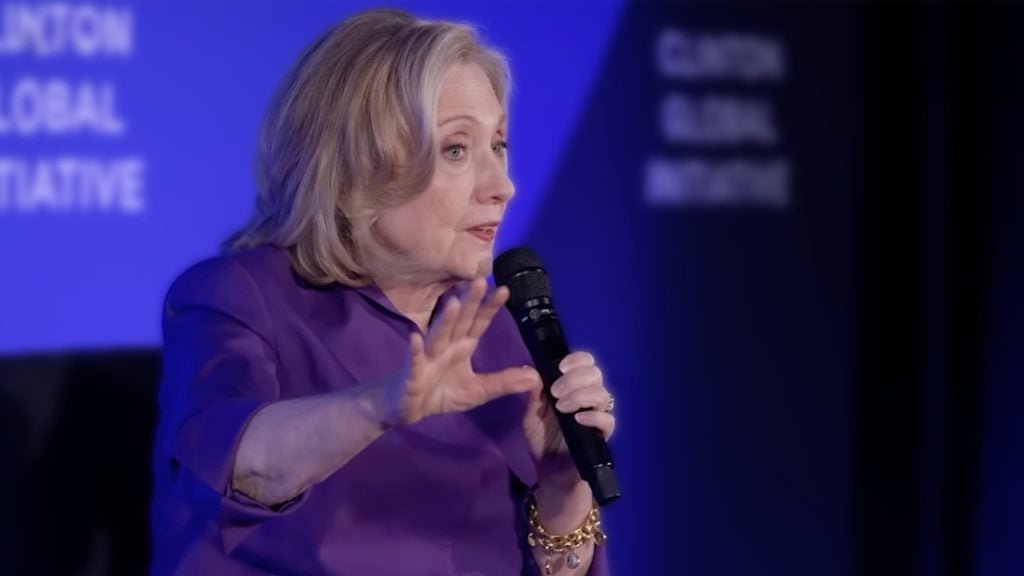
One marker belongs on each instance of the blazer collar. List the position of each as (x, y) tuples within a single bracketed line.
[(373, 294)]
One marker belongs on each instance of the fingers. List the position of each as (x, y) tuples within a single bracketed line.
[(591, 397), (469, 308), (603, 421), (510, 381), (487, 312), (416, 351), (417, 357), (576, 360), (468, 318), (582, 377), (442, 335)]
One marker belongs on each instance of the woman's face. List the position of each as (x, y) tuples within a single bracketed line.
[(450, 227)]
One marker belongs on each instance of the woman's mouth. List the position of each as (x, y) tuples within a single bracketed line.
[(485, 233)]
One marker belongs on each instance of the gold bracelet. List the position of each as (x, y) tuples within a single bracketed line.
[(561, 543)]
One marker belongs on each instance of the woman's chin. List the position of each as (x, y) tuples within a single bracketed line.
[(483, 267), (474, 267)]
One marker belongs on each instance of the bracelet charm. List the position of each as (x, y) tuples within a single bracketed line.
[(562, 543)]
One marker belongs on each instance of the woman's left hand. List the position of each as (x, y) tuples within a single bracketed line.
[(581, 387)]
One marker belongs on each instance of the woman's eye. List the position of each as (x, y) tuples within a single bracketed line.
[(500, 147), (455, 151)]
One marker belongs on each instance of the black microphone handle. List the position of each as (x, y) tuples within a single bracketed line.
[(589, 450)]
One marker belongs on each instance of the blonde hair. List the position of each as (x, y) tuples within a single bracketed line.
[(349, 134)]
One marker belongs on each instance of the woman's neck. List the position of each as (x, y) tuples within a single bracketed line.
[(413, 300)]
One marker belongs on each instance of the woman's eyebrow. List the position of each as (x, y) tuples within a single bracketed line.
[(471, 118)]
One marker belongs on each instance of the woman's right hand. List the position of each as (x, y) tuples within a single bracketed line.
[(440, 377)]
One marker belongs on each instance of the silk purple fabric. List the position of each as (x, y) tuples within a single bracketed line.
[(441, 497)]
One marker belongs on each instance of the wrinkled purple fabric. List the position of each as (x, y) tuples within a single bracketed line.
[(441, 497)]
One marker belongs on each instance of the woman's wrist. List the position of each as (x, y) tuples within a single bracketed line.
[(563, 541), (382, 405), (563, 506)]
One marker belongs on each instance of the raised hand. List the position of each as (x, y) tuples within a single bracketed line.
[(440, 376)]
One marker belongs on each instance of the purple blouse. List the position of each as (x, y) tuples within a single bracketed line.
[(441, 497)]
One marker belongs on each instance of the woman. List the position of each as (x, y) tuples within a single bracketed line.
[(341, 394)]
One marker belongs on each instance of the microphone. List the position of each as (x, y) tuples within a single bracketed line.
[(530, 303)]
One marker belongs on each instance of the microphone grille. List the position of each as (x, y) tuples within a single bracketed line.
[(520, 269)]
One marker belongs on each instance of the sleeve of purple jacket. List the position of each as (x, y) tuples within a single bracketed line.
[(219, 369)]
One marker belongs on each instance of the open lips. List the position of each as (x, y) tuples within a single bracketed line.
[(484, 231)]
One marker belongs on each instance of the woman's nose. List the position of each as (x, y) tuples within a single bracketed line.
[(495, 186)]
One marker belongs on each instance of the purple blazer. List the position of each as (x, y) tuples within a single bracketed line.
[(441, 497)]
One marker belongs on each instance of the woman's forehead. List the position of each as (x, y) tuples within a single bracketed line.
[(467, 96)]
